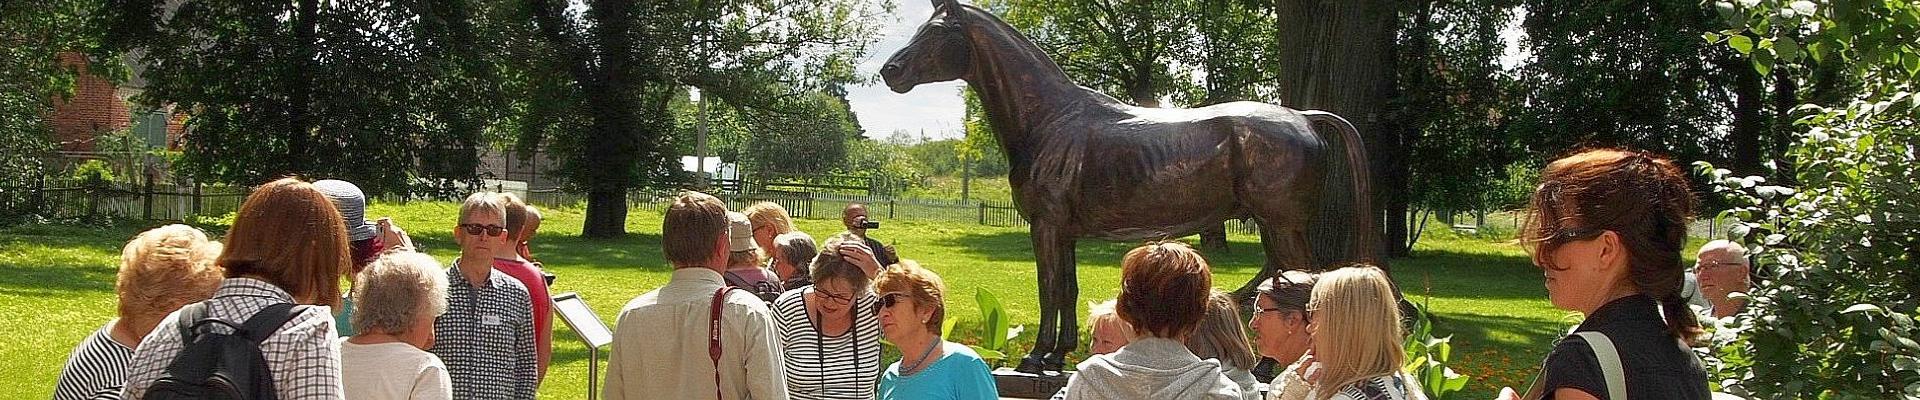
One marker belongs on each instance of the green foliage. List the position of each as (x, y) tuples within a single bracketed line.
[(1832, 313), (1452, 98), (375, 92), (996, 333), (32, 35), (1601, 78), (890, 164), (1428, 357), (93, 174)]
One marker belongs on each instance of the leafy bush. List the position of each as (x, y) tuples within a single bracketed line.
[(1831, 314), (1831, 311), (93, 174), (996, 331), (1427, 357)]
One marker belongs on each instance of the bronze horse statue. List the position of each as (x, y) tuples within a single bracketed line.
[(1087, 165)]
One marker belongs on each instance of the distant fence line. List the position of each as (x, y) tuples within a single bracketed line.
[(161, 201)]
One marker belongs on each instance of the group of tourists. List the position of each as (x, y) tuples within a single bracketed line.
[(756, 309)]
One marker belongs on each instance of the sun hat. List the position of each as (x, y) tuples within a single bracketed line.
[(740, 232), (352, 204)]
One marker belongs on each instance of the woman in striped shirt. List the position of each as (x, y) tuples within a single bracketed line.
[(829, 330), (160, 271)]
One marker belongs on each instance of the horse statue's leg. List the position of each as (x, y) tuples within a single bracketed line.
[(1285, 243), (1066, 282), (1053, 253)]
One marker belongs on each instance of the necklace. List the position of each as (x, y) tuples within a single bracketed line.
[(915, 368)]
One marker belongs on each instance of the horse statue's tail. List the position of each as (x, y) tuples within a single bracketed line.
[(1343, 230)]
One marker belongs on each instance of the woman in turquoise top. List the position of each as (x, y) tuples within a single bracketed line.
[(912, 306)]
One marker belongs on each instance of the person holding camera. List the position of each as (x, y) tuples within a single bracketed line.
[(855, 218)]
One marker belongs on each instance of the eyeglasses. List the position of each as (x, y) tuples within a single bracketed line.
[(842, 299), (489, 229)]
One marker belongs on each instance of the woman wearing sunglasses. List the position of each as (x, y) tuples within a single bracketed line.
[(1607, 227), (912, 306), (830, 332)]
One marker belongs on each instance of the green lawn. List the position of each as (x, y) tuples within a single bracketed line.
[(57, 286)]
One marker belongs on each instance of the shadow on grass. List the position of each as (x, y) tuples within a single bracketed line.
[(73, 259), (633, 251), (1245, 257)]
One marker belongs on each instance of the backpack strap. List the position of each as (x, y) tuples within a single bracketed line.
[(189, 315), (713, 335), (263, 323), (1609, 357)]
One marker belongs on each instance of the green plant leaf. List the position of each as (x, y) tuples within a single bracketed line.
[(1741, 43), (993, 319)]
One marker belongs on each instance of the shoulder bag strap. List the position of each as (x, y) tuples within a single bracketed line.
[(713, 335), (189, 316), (1609, 363)]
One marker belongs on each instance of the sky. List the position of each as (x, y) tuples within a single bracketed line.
[(935, 110)]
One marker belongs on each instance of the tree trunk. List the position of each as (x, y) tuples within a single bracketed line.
[(1786, 96), (1337, 56), (1748, 125), (300, 87), (606, 214)]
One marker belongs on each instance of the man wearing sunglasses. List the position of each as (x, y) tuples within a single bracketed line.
[(486, 337)]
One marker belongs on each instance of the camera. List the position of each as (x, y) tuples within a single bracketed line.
[(869, 224)]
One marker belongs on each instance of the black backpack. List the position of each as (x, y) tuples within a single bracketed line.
[(221, 366)]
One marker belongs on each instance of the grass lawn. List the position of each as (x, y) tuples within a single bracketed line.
[(57, 286)]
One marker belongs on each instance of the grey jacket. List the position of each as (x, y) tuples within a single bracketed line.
[(1151, 368)]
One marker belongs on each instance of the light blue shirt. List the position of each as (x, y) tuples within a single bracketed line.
[(958, 375)]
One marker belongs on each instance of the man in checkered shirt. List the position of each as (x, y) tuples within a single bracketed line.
[(486, 335)]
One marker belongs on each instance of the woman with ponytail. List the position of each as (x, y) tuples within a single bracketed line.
[(1608, 227)]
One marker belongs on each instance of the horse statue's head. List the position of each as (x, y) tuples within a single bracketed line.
[(939, 52)]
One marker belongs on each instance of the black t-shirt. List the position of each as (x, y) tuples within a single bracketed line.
[(880, 252), (1657, 365)]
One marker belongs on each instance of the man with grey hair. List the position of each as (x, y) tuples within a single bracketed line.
[(1723, 269), (486, 336), (395, 302)]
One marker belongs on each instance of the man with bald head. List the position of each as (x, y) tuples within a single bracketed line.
[(1723, 269), (855, 219)]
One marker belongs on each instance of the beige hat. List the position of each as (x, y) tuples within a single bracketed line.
[(740, 232)]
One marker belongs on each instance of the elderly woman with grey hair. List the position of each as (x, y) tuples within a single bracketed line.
[(395, 304), (793, 254)]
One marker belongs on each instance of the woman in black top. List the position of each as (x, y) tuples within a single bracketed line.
[(1608, 227)]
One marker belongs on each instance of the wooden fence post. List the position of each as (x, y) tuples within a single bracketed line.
[(147, 198), (983, 213)]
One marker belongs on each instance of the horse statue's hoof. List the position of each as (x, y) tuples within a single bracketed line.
[(1056, 362), (1032, 364)]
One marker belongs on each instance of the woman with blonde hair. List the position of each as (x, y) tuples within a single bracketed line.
[(160, 270), (1223, 337), (912, 306), (287, 247), (1357, 340)]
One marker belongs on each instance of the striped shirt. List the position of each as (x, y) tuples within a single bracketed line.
[(486, 338), (303, 355), (828, 367), (99, 363)]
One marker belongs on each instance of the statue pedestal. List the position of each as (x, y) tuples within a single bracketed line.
[(1021, 385)]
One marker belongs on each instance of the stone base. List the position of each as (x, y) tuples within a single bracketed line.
[(1021, 385)]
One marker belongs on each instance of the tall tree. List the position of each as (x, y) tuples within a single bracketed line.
[(1338, 56), (1123, 47), (626, 60), (356, 89), (32, 35)]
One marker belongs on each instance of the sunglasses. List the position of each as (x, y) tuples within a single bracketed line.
[(489, 230), (889, 299)]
